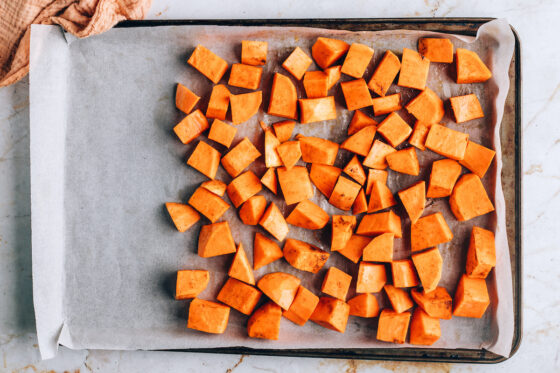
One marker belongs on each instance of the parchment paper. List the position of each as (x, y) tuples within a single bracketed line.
[(104, 160)]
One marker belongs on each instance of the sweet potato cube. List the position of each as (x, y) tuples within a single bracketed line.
[(215, 186), (205, 159), (191, 127), (360, 142), (297, 63), (269, 180), (265, 322), (477, 158), (377, 156), (344, 193), (315, 84), (283, 97), (360, 204), (447, 142), (354, 248), (327, 51), (295, 184), (304, 256), (427, 107), (254, 52), (356, 94), (355, 170), (466, 108), (380, 249), (470, 68), (414, 200), (324, 177), (399, 298), (243, 187), (190, 283), (244, 106), (445, 173), (371, 278), (331, 313), (245, 76), (375, 175), (342, 229), (414, 70), (185, 99), (284, 129), (274, 223), (240, 157), (336, 283), (469, 198), (357, 60), (393, 326), (419, 134), (318, 150), (436, 49), (240, 268), (207, 316), (215, 239), (394, 129), (381, 222), (471, 297), (302, 307), (386, 104), (436, 303), (290, 153), (218, 103), (252, 210), (404, 161), (280, 287), (208, 204), (428, 266), (364, 305), (333, 75), (317, 109), (208, 64), (380, 197), (424, 330), (240, 296), (359, 121), (385, 73), (265, 251), (271, 156), (183, 216), (481, 257), (308, 215), (222, 133), (403, 273), (429, 231)]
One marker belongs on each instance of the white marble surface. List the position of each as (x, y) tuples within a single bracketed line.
[(538, 24)]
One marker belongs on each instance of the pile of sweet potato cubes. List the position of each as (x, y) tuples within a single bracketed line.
[(360, 188)]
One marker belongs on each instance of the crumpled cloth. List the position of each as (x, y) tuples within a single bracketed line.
[(79, 17)]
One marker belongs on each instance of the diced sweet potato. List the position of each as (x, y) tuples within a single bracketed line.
[(243, 187), (355, 170), (377, 155), (419, 134), (274, 223), (218, 103), (424, 330), (302, 307), (466, 108), (244, 106), (436, 304), (185, 99), (208, 64), (342, 229), (297, 63), (215, 186), (357, 60), (477, 158), (315, 84), (394, 129), (280, 287), (371, 278), (271, 156), (428, 266), (191, 126), (386, 104), (447, 142), (239, 295), (354, 248), (414, 70), (240, 157), (414, 199), (304, 256), (436, 49), (469, 198), (359, 121), (254, 52), (360, 142), (265, 322), (295, 184), (308, 215), (222, 133), (331, 313), (284, 129), (470, 68), (333, 75), (393, 326), (382, 222), (429, 231), (240, 268), (385, 73), (215, 239), (344, 193), (290, 153), (208, 204), (399, 298), (207, 316), (318, 150), (427, 107), (269, 180), (481, 257), (380, 249), (283, 97), (190, 283), (403, 273), (265, 251), (360, 204), (445, 173), (317, 109), (380, 197), (183, 216), (245, 76), (252, 210), (375, 175), (205, 159), (336, 283), (471, 297), (364, 305), (404, 161), (324, 177), (356, 94), (327, 51)]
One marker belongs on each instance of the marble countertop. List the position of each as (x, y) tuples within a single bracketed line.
[(538, 25)]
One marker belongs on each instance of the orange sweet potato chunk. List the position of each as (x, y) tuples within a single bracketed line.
[(393, 326), (333, 75), (445, 173), (414, 70), (280, 287), (342, 229), (318, 150), (271, 156), (386, 104), (222, 133), (284, 129), (317, 109), (377, 156), (399, 298), (207, 316), (269, 180), (315, 84), (205, 159), (360, 204), (218, 103), (466, 108), (327, 51), (385, 73), (240, 296), (215, 186), (471, 297), (191, 127), (356, 94), (380, 249), (429, 231), (344, 193), (185, 99), (308, 215), (274, 223), (324, 177), (283, 97), (297, 63), (290, 153), (215, 239), (304, 256), (394, 129), (360, 142), (429, 266), (265, 322), (331, 313), (477, 158), (240, 157), (265, 251), (359, 121), (364, 305), (436, 49), (481, 257), (302, 307), (380, 197), (208, 64), (469, 198), (381, 222), (371, 278), (437, 303), (295, 184), (244, 106), (243, 187), (354, 248), (375, 175), (414, 200), (240, 267), (470, 68), (190, 283), (208, 204), (419, 134), (447, 142), (245, 76), (427, 107), (252, 210), (424, 330), (355, 170), (404, 161), (336, 283), (254, 52), (183, 216), (403, 273), (357, 60)]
